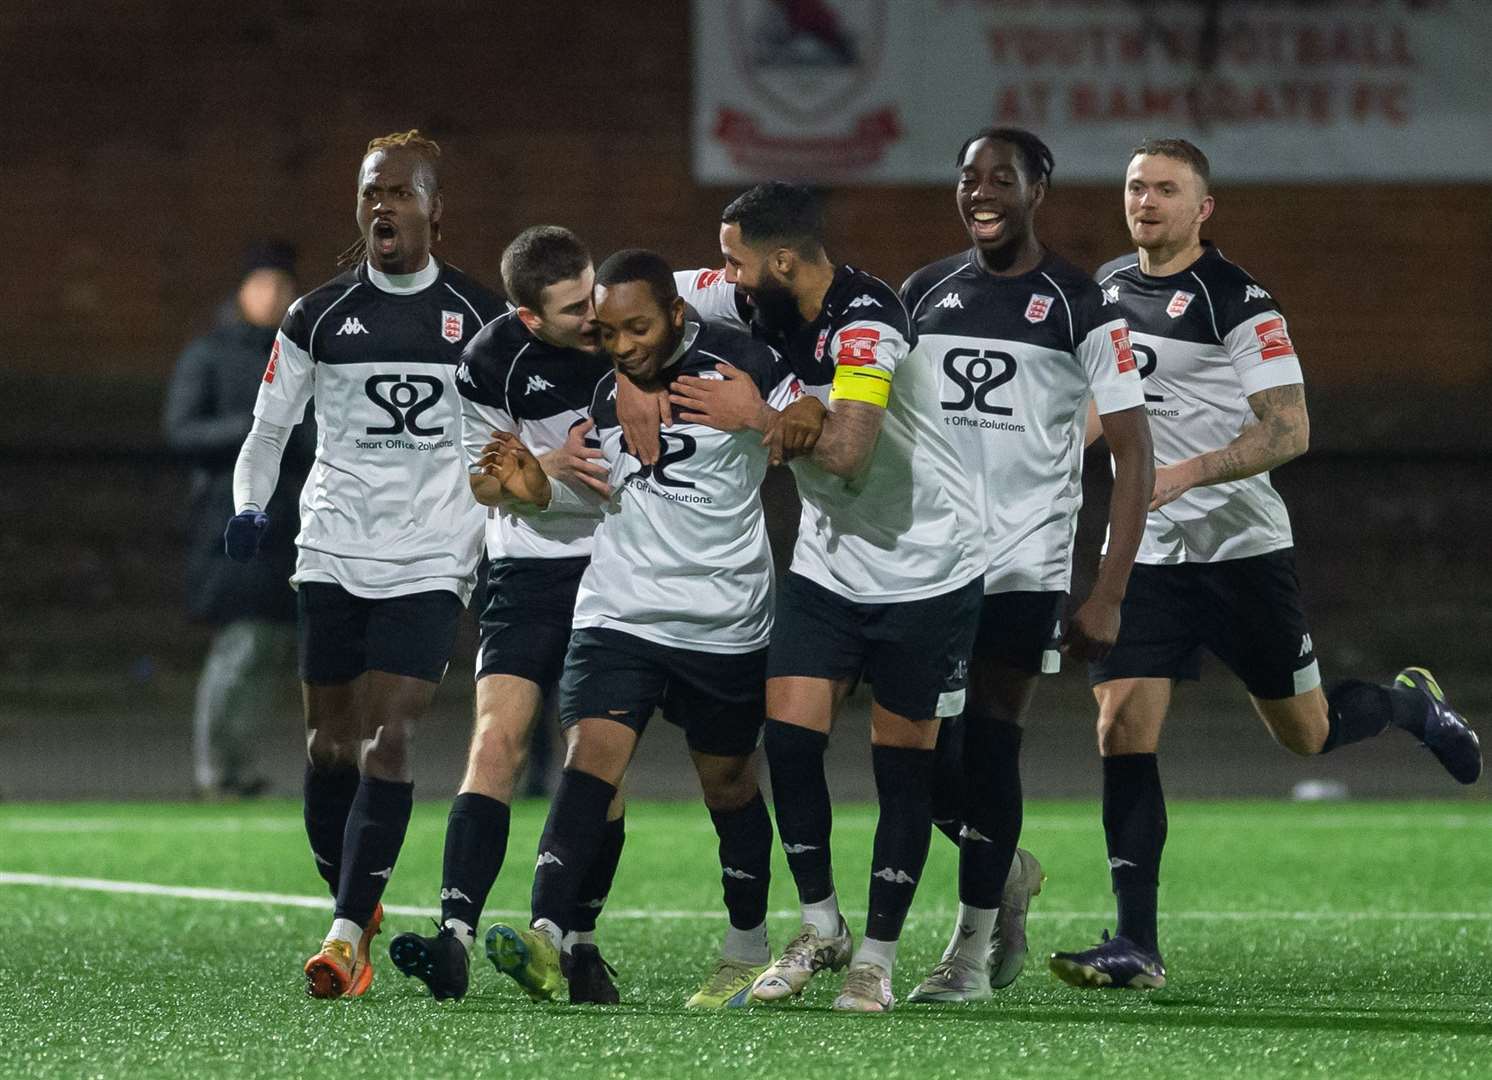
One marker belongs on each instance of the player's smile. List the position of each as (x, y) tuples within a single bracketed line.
[(985, 224)]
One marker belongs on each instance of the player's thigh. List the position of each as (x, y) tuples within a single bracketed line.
[(1255, 623), (1299, 723), (412, 636), (331, 639), (506, 711), (1016, 643), (817, 653), (611, 680), (524, 627), (719, 700), (918, 660), (1131, 713)]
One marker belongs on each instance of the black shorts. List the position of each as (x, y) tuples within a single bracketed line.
[(912, 653), (1246, 612), (525, 627), (341, 635), (719, 699), (1021, 630)]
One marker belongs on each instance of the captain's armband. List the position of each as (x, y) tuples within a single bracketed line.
[(861, 383)]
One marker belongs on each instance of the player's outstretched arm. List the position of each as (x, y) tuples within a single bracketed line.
[(1283, 433), (1095, 627), (508, 475)]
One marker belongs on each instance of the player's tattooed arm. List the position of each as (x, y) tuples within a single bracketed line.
[(1095, 627), (1282, 433), (508, 475), (640, 413), (850, 432)]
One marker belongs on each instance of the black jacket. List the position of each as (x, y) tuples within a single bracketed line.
[(209, 409)]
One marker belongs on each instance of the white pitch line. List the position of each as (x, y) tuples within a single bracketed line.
[(320, 903)]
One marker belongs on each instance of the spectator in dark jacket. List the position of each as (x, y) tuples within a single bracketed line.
[(209, 409)]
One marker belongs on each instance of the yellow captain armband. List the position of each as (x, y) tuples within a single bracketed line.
[(869, 384)]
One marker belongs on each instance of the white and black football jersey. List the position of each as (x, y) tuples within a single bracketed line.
[(512, 381), (1017, 359), (681, 555), (387, 509), (907, 527), (1205, 339)]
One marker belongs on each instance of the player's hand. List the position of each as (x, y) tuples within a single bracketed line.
[(729, 403), (1092, 631), (1171, 482), (244, 534), (576, 461), (796, 429), (521, 478), (641, 413)]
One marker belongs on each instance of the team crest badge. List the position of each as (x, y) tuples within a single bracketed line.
[(450, 326), (1179, 303), (1038, 308)]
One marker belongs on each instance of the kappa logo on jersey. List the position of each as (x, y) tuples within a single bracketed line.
[(1306, 648), (818, 350), (450, 326), (708, 277), (950, 301), (865, 300), (1039, 307), (406, 398), (537, 382), (463, 374), (1274, 339), (1255, 292), (1124, 355), (857, 347), (274, 360), (353, 325), (1111, 295), (1179, 303)]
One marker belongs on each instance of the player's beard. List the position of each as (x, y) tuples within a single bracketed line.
[(776, 306)]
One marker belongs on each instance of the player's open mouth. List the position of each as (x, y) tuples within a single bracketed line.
[(986, 224), (385, 237)]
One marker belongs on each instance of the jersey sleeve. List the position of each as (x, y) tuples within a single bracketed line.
[(289, 377), (711, 295), (1260, 351), (1100, 340), (866, 353), (484, 406)]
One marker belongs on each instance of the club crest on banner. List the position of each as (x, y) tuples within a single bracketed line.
[(808, 57)]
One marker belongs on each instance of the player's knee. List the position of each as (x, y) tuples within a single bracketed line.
[(729, 786), (325, 750), (1124, 730), (386, 754), (498, 753)]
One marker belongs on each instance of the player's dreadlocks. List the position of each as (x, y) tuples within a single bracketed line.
[(1035, 155), (428, 150)]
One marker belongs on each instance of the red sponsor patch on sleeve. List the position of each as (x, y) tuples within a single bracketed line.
[(274, 358), (857, 347), (1124, 356), (1274, 339), (707, 278)]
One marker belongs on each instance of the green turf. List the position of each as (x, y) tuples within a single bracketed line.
[(1333, 940)]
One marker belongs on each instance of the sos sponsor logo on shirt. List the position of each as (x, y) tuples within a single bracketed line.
[(404, 401), (1274, 339)]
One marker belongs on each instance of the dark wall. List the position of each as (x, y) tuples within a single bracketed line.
[(150, 141)]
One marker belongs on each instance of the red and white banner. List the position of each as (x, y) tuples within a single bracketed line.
[(885, 91)]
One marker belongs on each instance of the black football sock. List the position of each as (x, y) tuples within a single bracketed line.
[(949, 792), (595, 885), (572, 837), (1134, 823), (375, 833), (992, 762), (903, 831), (745, 861), (1358, 710), (476, 841), (800, 798), (328, 794)]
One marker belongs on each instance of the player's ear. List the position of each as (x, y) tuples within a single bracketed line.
[(1038, 193), (529, 318), (1208, 205), (437, 208), (676, 309), (784, 260)]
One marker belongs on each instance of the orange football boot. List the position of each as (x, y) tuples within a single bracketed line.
[(329, 972), (362, 966)]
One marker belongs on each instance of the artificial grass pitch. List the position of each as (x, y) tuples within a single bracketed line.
[(1333, 940)]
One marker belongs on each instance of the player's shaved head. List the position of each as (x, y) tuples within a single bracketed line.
[(778, 214), (639, 264)]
